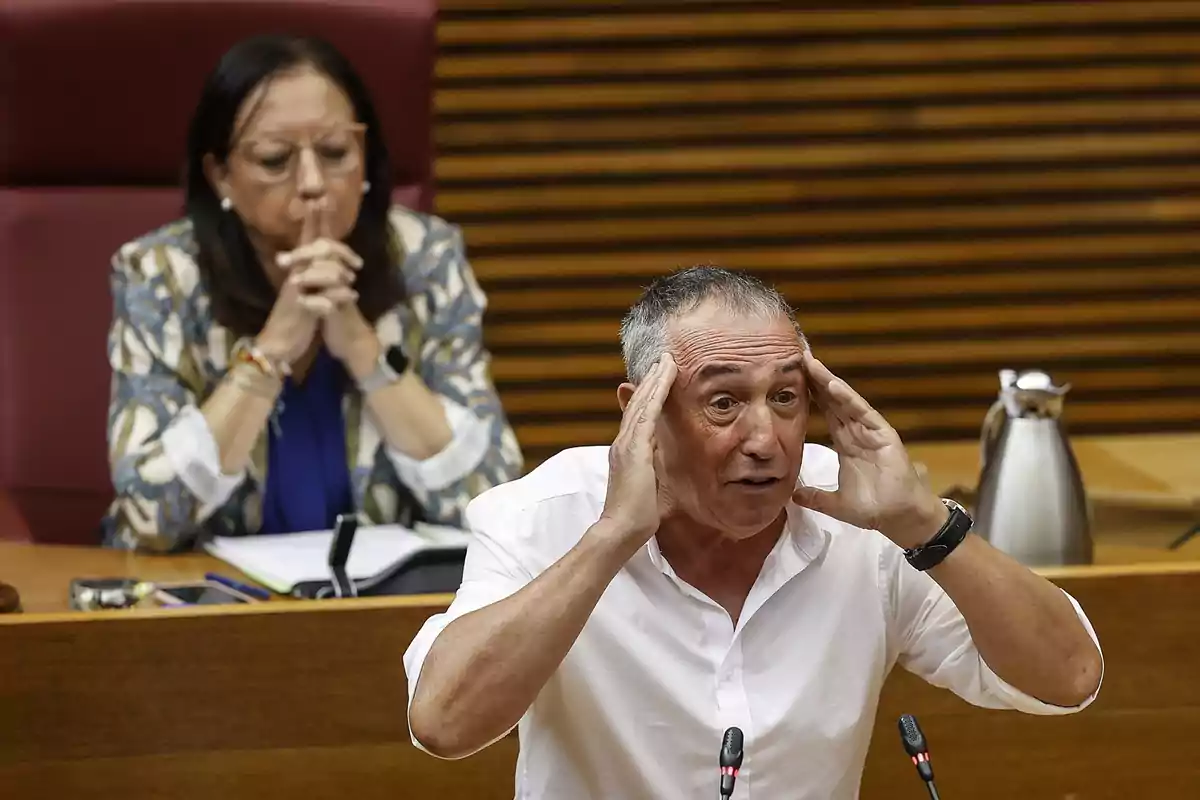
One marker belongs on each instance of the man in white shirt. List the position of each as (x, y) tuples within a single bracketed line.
[(625, 605)]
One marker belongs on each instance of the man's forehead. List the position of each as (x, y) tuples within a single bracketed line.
[(717, 342)]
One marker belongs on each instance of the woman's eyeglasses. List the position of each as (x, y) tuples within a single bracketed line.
[(275, 159)]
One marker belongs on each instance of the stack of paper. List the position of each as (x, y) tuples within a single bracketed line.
[(282, 561)]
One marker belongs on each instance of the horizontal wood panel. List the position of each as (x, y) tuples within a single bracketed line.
[(385, 772), (939, 321), (646, 195), (595, 97), (612, 25), (531, 403), (1049, 149), (931, 288), (1014, 348), (525, 403), (815, 221), (554, 436), (941, 190), (774, 123), (852, 256), (854, 53), (365, 772)]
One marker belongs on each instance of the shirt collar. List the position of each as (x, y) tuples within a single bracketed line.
[(802, 542)]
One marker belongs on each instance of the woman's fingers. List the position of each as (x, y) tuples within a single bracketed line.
[(316, 304), (341, 295), (323, 249), (324, 303), (322, 275)]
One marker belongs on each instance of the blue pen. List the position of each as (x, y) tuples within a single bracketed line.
[(253, 591)]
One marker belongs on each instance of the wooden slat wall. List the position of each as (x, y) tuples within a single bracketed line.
[(942, 190)]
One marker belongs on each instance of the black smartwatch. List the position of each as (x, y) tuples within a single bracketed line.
[(393, 363), (932, 553)]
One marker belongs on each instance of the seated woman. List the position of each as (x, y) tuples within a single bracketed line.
[(296, 347)]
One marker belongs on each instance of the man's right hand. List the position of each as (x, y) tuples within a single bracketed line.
[(484, 671), (632, 505)]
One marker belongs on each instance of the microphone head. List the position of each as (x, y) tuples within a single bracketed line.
[(911, 735), (731, 748)]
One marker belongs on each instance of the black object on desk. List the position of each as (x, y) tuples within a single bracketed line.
[(339, 553), (10, 599), (428, 572), (433, 569)]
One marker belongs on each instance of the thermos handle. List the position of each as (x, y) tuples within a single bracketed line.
[(990, 432)]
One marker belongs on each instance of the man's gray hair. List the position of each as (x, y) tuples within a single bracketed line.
[(644, 328)]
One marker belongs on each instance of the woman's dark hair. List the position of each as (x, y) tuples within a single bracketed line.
[(242, 296)]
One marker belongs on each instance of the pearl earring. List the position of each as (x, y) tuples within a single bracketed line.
[(226, 204), (366, 186)]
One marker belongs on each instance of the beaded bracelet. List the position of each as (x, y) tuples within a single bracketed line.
[(245, 351)]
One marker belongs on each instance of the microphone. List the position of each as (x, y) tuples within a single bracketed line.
[(731, 760), (918, 750)]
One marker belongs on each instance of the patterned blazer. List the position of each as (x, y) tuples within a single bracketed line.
[(168, 355)]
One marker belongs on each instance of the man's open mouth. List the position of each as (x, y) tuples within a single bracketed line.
[(757, 481)]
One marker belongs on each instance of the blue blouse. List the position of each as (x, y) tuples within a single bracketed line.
[(308, 478)]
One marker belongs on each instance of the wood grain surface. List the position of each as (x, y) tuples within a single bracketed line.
[(290, 697), (309, 698), (942, 190)]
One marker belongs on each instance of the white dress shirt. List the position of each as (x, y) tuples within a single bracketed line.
[(638, 707)]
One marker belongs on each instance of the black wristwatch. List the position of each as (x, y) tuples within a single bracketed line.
[(956, 528), (393, 363)]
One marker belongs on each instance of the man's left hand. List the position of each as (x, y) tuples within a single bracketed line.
[(878, 488)]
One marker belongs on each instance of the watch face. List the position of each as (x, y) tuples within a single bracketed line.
[(396, 359)]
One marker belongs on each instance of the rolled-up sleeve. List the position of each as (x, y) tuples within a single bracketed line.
[(492, 572), (455, 365), (933, 642), (469, 443), (192, 451)]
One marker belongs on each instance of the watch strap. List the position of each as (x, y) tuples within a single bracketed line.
[(958, 524), (386, 372)]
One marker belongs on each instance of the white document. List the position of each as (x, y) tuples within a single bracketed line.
[(281, 561)]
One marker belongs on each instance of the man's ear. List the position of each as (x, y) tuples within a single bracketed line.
[(217, 175), (625, 394)]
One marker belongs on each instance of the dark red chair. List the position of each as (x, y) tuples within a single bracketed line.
[(95, 96)]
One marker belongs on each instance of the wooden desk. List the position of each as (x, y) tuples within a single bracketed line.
[(308, 699), (1137, 740), (1151, 471), (43, 573)]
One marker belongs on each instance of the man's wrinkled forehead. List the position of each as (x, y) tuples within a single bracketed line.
[(711, 341)]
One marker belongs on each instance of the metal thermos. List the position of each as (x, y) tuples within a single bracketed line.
[(1031, 501)]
